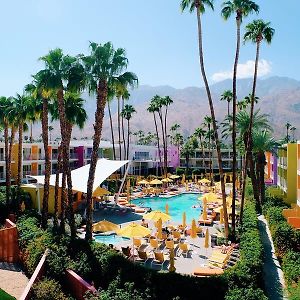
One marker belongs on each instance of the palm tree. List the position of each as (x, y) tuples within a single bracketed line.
[(256, 32), (187, 150), (287, 126), (153, 108), (241, 9), (20, 108), (262, 142), (104, 67), (64, 72), (227, 96), (127, 113), (50, 129), (125, 96), (200, 133), (293, 129), (207, 122), (110, 97), (199, 6)]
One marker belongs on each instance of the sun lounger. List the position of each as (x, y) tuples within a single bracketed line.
[(184, 249), (207, 271), (143, 257), (159, 258), (207, 221), (127, 252), (154, 244)]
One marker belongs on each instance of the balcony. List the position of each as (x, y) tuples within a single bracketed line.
[(2, 158), (27, 172), (54, 156), (73, 155), (2, 176), (41, 172)]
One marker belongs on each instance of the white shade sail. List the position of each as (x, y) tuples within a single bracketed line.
[(80, 176)]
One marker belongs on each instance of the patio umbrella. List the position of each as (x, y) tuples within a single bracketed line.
[(104, 226), (183, 178), (204, 212), (155, 215), (143, 182), (186, 187), (99, 192), (174, 177), (210, 197), (167, 180), (221, 216), (172, 261), (184, 219), (159, 229), (194, 229), (133, 230), (155, 182), (167, 208), (204, 180), (206, 240)]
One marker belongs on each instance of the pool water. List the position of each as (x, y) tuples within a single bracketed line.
[(177, 205), (109, 239)]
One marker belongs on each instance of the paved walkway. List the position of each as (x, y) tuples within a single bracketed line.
[(12, 280), (272, 272)]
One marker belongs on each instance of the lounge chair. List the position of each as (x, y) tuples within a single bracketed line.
[(177, 236), (207, 271), (154, 244), (143, 257), (137, 242), (159, 258), (170, 244), (185, 249), (127, 252)]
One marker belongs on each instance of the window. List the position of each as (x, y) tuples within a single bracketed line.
[(139, 155)]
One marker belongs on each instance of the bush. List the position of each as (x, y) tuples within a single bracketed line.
[(196, 172), (3, 208), (246, 294), (180, 171), (48, 289), (291, 267)]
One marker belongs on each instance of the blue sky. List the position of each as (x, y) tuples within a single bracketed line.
[(161, 42)]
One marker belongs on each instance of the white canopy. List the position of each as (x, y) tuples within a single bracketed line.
[(80, 176)]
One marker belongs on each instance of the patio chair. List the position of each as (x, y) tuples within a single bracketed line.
[(143, 257), (177, 236), (159, 258), (137, 242), (184, 249), (170, 244), (155, 245), (127, 252)]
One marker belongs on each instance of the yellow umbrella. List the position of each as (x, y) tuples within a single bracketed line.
[(155, 215), (104, 226), (172, 261), (186, 187), (167, 180), (206, 240), (204, 212), (183, 178), (133, 230), (167, 208), (155, 181), (174, 176), (221, 216), (210, 197), (159, 229), (194, 229), (184, 219), (99, 192), (204, 180), (143, 182)]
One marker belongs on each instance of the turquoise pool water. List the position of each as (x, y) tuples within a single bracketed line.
[(177, 205), (109, 239)]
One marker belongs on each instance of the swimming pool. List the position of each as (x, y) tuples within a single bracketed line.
[(177, 205), (109, 239)]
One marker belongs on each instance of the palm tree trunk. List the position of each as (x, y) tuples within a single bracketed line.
[(210, 158), (158, 141), (56, 192), (249, 140), (99, 115), (111, 130), (166, 140), (164, 143), (119, 130), (123, 133), (20, 160), (47, 166), (202, 148), (128, 133), (228, 111), (234, 93), (212, 111), (7, 164), (262, 160)]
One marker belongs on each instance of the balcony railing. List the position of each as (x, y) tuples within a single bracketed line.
[(27, 172), (2, 158)]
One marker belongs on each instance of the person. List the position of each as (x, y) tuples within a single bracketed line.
[(144, 223)]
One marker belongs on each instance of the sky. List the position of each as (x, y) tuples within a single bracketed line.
[(161, 42)]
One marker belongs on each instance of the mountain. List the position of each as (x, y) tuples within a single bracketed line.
[(279, 97)]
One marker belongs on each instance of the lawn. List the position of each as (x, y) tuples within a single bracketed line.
[(5, 296)]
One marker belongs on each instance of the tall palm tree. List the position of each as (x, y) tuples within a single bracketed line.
[(64, 72), (199, 6), (127, 113), (293, 129), (208, 122), (21, 110), (287, 127), (256, 32), (227, 96), (262, 142), (125, 96), (241, 9), (200, 133), (153, 108), (110, 97), (103, 67), (187, 150), (50, 129)]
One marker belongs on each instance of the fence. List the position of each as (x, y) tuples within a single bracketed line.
[(9, 248)]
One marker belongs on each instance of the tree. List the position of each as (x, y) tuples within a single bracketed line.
[(50, 129), (187, 150), (207, 122), (241, 9), (200, 133), (293, 129), (103, 67), (256, 32), (199, 6), (262, 142), (110, 97), (227, 96), (287, 127), (127, 113), (64, 72)]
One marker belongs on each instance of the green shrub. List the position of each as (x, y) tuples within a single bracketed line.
[(294, 292), (180, 171), (48, 289), (246, 294), (291, 266), (196, 172), (3, 208)]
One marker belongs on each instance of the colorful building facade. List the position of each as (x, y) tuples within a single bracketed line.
[(271, 168)]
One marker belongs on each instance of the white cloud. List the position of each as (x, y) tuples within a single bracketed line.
[(245, 70)]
